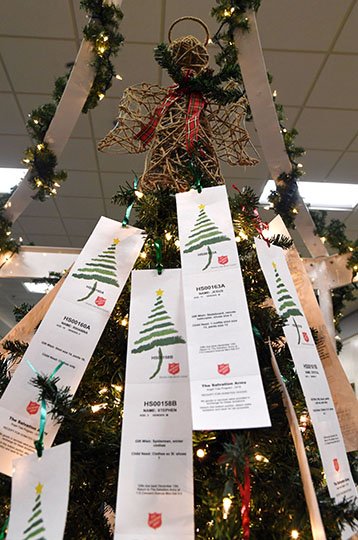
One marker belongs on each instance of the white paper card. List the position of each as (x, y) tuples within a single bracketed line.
[(310, 371), (155, 487), (225, 379), (69, 333), (39, 495)]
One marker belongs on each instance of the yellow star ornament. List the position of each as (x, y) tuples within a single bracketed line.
[(116, 241), (160, 292), (201, 206), (39, 488)]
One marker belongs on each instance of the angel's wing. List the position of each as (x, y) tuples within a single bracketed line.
[(231, 139), (135, 109)]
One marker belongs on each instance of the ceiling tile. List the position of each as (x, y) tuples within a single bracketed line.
[(4, 83), (16, 15), (199, 8), (11, 119), (80, 207), (41, 209), (37, 225), (54, 240), (79, 154), (150, 10), (28, 75), (115, 211), (111, 182), (346, 168), (347, 41), (104, 117), (293, 74), (136, 64), (351, 221), (79, 227), (317, 164), (114, 162), (12, 149), (337, 85), (78, 241), (81, 184), (354, 146), (326, 129), (305, 25)]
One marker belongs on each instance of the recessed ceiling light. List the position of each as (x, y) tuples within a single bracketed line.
[(38, 288), (10, 178), (321, 195)]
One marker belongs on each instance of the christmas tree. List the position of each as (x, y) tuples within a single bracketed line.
[(287, 306), (35, 529), (247, 482), (158, 331), (101, 268), (204, 233)]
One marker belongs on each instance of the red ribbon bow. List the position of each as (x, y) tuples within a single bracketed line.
[(192, 122)]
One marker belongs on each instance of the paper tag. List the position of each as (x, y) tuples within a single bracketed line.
[(39, 495), (69, 333), (310, 371), (225, 379), (155, 487)]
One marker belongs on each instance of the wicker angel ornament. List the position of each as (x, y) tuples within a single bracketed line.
[(181, 124)]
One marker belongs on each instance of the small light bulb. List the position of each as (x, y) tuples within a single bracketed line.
[(210, 41), (294, 534), (227, 502), (117, 387), (53, 191), (100, 96), (40, 146), (21, 239), (274, 93), (103, 390), (56, 184), (143, 255), (168, 236), (105, 38), (36, 121), (26, 160), (295, 211), (323, 239), (201, 453), (124, 322), (177, 244), (119, 77), (8, 233), (138, 194), (38, 182)]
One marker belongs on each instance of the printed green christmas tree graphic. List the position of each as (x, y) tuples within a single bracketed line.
[(101, 268), (158, 331), (287, 306), (35, 529), (204, 233)]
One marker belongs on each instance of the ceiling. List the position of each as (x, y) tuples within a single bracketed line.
[(310, 47)]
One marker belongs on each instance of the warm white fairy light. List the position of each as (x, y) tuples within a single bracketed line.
[(40, 146), (274, 93), (261, 458), (168, 236), (124, 322), (117, 387), (177, 244), (227, 502), (201, 453), (36, 121), (103, 390), (295, 534), (100, 96), (98, 407), (119, 77), (138, 194), (143, 255)]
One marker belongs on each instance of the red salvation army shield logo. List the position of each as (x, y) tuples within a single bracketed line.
[(223, 259), (33, 407), (100, 301), (224, 369), (173, 368), (305, 336), (336, 464), (155, 520)]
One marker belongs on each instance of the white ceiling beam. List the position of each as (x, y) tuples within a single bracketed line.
[(259, 94)]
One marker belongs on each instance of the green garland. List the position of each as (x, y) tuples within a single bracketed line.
[(7, 242), (102, 31)]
